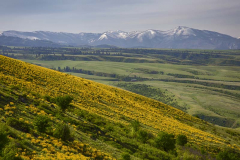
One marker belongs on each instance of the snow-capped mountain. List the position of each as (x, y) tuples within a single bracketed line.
[(179, 37)]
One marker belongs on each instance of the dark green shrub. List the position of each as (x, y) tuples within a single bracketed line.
[(115, 144), (19, 125), (181, 140), (142, 155), (126, 156), (63, 102), (41, 123), (93, 136), (9, 152), (228, 155), (23, 98), (142, 136), (3, 136), (62, 131), (49, 99), (135, 125), (165, 141), (109, 128), (202, 150), (36, 102)]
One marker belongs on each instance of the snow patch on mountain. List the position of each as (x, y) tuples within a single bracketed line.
[(148, 34), (180, 31), (122, 35), (31, 38), (117, 34), (20, 35), (103, 36)]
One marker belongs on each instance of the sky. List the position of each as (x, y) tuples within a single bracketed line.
[(98, 16)]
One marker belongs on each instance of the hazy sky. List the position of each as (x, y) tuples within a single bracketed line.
[(128, 15)]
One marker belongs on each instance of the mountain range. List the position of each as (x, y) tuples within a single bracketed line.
[(177, 38)]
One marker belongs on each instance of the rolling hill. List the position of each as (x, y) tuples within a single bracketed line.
[(100, 118)]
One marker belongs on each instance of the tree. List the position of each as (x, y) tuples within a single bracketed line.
[(165, 141), (63, 102)]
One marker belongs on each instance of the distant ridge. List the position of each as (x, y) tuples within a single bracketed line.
[(177, 38), (16, 41)]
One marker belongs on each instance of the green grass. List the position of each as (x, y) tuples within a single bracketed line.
[(222, 73)]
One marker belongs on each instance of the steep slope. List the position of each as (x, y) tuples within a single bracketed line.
[(179, 37), (109, 103)]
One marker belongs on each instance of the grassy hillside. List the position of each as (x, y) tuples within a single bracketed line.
[(203, 83), (100, 118), (190, 85)]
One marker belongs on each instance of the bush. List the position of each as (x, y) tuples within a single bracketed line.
[(9, 152), (165, 141), (49, 99), (63, 132), (181, 140), (41, 123), (142, 136), (63, 102), (19, 125), (115, 144), (228, 155), (126, 156), (188, 156), (135, 125), (3, 137)]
